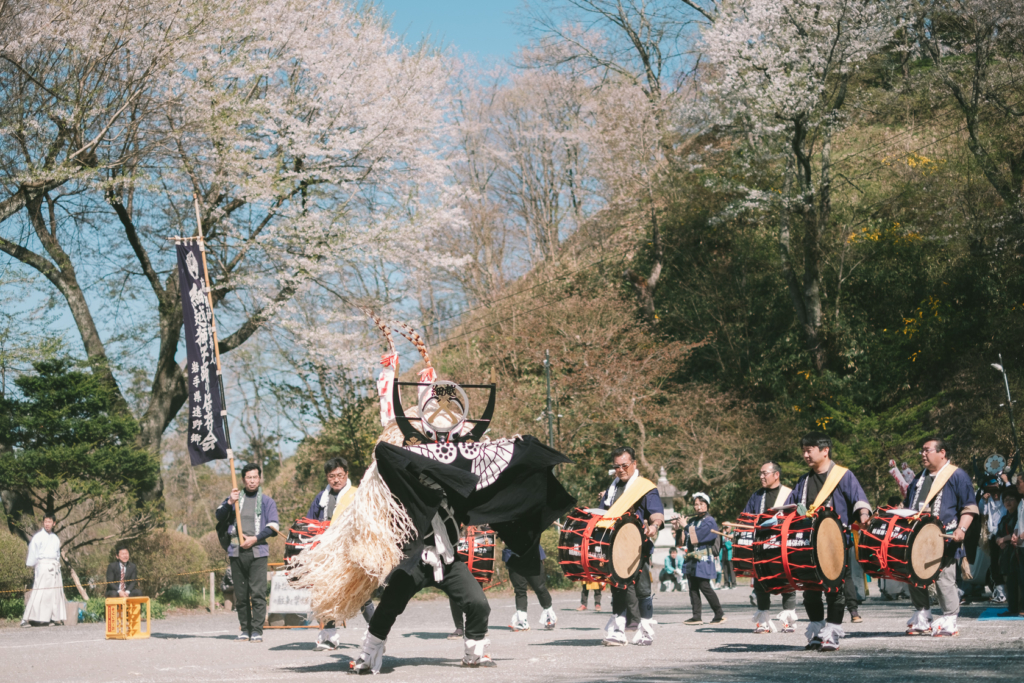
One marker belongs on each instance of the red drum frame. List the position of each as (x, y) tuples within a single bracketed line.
[(800, 552), (589, 552), (743, 544), (476, 551), (303, 535), (908, 549)]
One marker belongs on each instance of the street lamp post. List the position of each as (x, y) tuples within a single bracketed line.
[(1009, 405)]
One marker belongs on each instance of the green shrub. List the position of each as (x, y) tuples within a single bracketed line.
[(168, 558), (183, 595), (14, 575), (12, 608)]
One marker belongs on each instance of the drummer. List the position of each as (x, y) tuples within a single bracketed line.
[(771, 494), (839, 489), (642, 497), (329, 504), (946, 490)]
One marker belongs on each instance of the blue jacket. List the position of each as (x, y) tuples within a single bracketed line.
[(703, 567), (956, 497), (847, 497)]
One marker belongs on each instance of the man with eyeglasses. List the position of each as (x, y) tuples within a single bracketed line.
[(642, 496), (771, 494), (330, 504), (945, 490)]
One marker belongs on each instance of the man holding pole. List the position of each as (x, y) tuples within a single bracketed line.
[(258, 513)]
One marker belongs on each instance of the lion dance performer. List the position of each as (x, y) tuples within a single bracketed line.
[(431, 472)]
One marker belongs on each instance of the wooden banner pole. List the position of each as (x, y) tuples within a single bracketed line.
[(220, 376)]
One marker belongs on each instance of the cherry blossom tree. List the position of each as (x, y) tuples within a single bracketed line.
[(308, 132), (776, 81)]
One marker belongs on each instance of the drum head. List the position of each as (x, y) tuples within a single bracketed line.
[(626, 546), (926, 552), (830, 550)]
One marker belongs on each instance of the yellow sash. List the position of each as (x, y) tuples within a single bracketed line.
[(780, 499), (626, 501), (343, 502), (831, 482), (940, 482)]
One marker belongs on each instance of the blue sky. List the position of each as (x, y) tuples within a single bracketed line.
[(482, 28)]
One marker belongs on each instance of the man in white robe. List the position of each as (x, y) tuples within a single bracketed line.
[(46, 603)]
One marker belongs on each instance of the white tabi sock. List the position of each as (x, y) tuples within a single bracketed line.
[(788, 617), (475, 652), (548, 618), (921, 620), (644, 633), (762, 616), (615, 629), (813, 631), (520, 621), (372, 655)]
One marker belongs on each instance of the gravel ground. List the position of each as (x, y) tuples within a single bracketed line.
[(200, 647)]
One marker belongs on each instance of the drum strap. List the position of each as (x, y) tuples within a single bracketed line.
[(780, 499), (940, 482), (624, 503), (344, 500), (831, 482)]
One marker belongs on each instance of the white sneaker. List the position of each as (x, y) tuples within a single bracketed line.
[(475, 654), (644, 633), (920, 624), (548, 618), (788, 618), (520, 622), (615, 631), (371, 657)]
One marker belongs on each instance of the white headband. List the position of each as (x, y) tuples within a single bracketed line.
[(701, 494)]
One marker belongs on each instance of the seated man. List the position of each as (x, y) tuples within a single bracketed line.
[(122, 577)]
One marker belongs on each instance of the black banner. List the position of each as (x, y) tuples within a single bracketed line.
[(206, 440)]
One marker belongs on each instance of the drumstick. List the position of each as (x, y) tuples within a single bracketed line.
[(720, 533), (739, 526)]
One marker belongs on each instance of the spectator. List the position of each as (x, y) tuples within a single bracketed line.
[(672, 573), (249, 563), (122, 576), (45, 605), (992, 510), (728, 575), (595, 586), (1009, 557)]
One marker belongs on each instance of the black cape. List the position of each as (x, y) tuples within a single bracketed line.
[(519, 505)]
